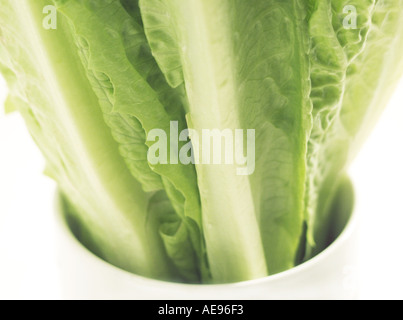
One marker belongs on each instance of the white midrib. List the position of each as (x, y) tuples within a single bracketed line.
[(234, 246), (107, 203)]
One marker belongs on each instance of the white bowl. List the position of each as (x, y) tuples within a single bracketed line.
[(329, 275)]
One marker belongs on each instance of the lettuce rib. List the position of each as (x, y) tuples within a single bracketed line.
[(54, 96), (252, 225)]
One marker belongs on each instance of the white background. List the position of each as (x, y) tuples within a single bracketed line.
[(28, 264)]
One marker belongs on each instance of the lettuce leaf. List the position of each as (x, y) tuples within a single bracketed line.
[(50, 88), (348, 97)]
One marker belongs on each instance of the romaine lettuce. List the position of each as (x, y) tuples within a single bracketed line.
[(94, 79)]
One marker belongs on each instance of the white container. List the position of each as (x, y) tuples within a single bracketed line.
[(329, 275)]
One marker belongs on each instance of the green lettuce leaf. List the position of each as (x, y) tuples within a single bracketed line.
[(348, 94), (135, 99), (49, 87), (235, 78)]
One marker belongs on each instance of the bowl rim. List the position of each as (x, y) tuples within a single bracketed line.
[(348, 230)]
